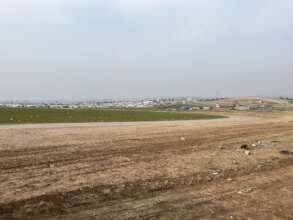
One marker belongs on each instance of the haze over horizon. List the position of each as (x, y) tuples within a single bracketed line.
[(86, 49)]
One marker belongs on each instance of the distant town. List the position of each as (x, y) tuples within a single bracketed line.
[(170, 104)]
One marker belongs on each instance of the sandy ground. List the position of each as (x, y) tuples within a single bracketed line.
[(149, 170)]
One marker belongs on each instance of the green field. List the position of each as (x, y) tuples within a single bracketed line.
[(42, 115)]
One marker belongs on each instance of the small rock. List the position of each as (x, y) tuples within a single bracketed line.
[(246, 190), (247, 152), (244, 146), (27, 209), (253, 145), (286, 152), (126, 159), (182, 138), (51, 165), (230, 179), (43, 204), (118, 190), (190, 181), (221, 147), (209, 178), (215, 173), (266, 142), (43, 207), (106, 191)]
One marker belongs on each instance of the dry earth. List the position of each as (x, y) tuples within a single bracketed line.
[(159, 170)]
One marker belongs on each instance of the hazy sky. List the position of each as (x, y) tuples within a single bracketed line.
[(84, 49)]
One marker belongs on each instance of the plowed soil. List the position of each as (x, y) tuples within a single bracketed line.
[(153, 170)]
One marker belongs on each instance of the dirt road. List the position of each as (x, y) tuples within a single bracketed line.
[(162, 170)]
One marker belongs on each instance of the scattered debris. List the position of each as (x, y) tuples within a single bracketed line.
[(39, 208), (247, 152), (262, 143), (286, 152), (266, 142)]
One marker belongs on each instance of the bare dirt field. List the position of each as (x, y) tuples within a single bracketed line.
[(149, 170)]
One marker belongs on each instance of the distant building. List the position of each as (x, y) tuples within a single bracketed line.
[(260, 106), (186, 108), (148, 102), (207, 108), (196, 108), (227, 106), (241, 107)]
